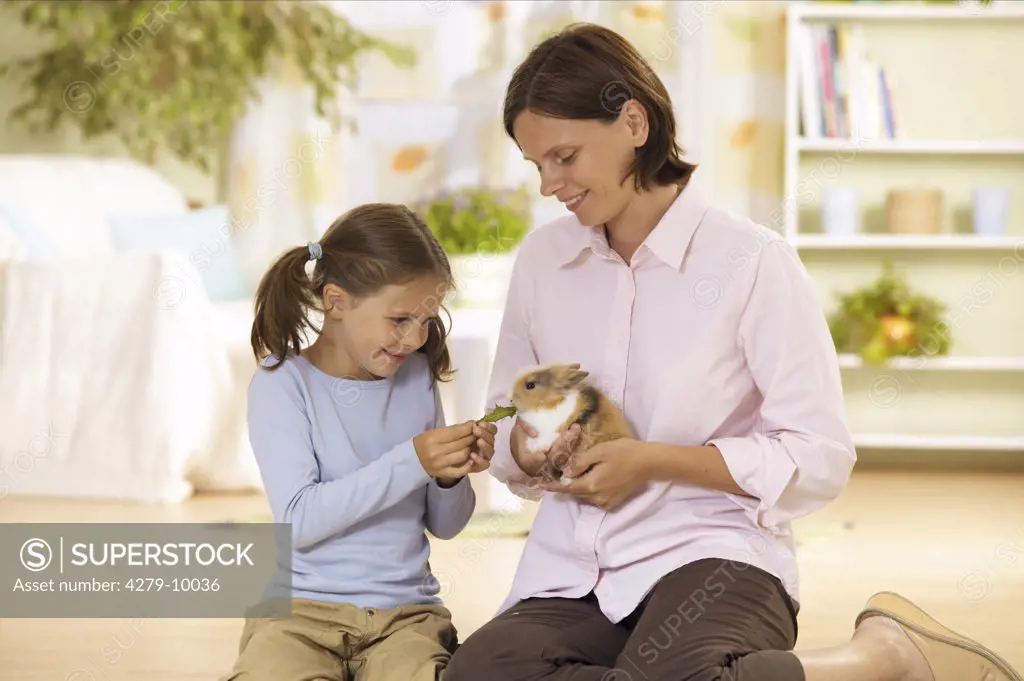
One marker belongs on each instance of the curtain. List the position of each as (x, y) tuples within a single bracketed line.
[(436, 125), (746, 87)]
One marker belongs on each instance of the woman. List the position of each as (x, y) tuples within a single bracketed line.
[(672, 558)]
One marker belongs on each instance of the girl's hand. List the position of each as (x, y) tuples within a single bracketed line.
[(606, 475), (483, 449), (444, 452)]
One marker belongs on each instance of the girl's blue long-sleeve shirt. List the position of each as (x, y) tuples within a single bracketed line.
[(338, 463)]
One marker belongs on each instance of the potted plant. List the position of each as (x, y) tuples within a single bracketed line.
[(174, 76), (887, 319), (480, 229)]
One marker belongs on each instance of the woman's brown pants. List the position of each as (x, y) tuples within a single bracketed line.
[(709, 620)]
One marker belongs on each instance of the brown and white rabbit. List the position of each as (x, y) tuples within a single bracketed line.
[(551, 398)]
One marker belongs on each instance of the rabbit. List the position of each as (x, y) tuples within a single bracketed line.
[(551, 398)]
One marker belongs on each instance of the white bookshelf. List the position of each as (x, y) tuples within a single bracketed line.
[(799, 146), (963, 155), (945, 242), (937, 363), (969, 443), (966, 10), (847, 147)]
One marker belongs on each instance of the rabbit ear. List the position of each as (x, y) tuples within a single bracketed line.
[(576, 377), (575, 366)]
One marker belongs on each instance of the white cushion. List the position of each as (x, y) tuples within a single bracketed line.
[(11, 246), (70, 198), (234, 324)]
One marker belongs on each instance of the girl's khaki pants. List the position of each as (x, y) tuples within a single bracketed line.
[(324, 641)]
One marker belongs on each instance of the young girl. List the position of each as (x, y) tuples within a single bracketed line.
[(354, 452)]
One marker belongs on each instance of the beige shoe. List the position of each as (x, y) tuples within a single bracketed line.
[(950, 656)]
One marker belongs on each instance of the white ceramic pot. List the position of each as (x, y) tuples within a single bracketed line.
[(481, 279), (991, 205), (840, 211)]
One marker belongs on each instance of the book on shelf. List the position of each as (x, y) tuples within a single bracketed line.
[(842, 92)]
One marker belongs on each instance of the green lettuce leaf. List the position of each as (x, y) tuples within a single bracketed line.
[(498, 413)]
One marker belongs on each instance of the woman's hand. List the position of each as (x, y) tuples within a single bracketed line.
[(560, 453), (609, 473), (531, 463), (539, 464)]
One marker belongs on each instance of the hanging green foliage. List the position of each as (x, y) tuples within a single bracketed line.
[(176, 75)]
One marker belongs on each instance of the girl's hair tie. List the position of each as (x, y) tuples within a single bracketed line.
[(315, 250)]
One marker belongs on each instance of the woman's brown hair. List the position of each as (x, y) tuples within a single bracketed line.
[(367, 248), (587, 71)]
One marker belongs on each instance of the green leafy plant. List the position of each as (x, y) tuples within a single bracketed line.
[(887, 319), (176, 75), (472, 220)]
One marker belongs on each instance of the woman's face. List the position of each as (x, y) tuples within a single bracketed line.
[(583, 162)]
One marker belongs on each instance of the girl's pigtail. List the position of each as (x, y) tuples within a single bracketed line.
[(283, 301)]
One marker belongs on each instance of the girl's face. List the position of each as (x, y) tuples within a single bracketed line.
[(379, 332), (583, 163)]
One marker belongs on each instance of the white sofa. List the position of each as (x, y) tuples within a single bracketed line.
[(119, 377)]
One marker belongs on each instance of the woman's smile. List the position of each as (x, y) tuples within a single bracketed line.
[(573, 202)]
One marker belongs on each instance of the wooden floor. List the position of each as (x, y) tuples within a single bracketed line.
[(952, 542)]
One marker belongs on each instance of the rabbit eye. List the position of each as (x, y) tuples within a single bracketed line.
[(530, 385)]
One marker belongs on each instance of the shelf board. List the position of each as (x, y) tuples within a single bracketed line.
[(886, 11), (947, 363), (987, 443), (910, 146), (957, 242)]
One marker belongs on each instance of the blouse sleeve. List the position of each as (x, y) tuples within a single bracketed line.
[(803, 454), (513, 354)]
